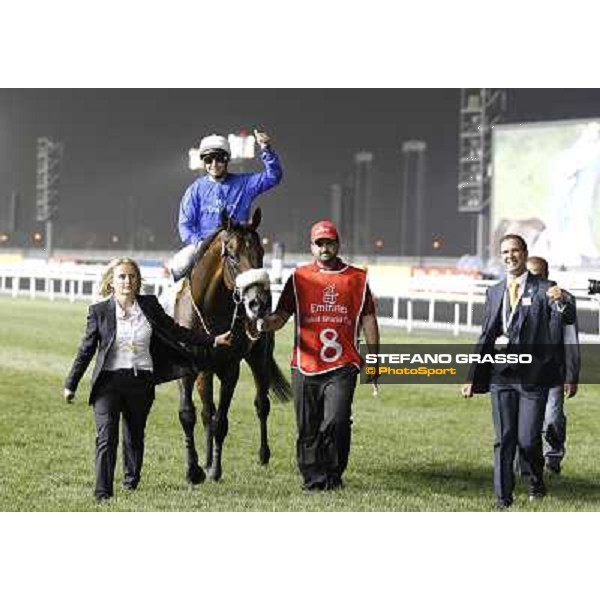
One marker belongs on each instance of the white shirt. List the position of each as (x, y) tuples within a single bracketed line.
[(131, 347)]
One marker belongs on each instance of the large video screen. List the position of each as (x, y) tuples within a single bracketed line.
[(546, 187)]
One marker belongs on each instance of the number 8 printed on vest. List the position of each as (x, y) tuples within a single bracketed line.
[(329, 339)]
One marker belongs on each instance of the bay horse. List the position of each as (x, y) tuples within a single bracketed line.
[(214, 303)]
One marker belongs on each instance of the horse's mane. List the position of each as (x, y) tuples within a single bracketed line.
[(237, 227), (208, 241)]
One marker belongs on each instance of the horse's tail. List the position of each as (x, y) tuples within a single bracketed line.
[(280, 386)]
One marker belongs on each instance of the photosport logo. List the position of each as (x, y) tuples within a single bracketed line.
[(427, 364), (459, 363)]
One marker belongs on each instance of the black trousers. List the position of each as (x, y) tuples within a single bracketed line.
[(518, 415), (121, 392), (323, 406)]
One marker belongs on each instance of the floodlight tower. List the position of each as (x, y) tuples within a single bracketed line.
[(14, 212), (363, 197), (49, 158), (336, 195), (480, 110), (342, 212), (411, 217)]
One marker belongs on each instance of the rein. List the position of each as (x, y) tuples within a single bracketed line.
[(237, 300)]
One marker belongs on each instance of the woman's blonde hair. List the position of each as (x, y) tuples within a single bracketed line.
[(106, 288)]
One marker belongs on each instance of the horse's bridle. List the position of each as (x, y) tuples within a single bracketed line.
[(232, 264)]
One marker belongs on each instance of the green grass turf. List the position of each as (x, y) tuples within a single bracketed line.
[(415, 448)]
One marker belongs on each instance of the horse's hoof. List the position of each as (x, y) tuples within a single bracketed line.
[(215, 474), (195, 475), (264, 455)]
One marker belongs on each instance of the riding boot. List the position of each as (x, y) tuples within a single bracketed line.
[(185, 259)]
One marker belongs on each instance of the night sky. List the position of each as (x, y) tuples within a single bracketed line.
[(133, 143)]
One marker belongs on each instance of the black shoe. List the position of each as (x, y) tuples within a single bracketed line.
[(537, 492), (537, 497), (131, 485), (503, 503), (101, 498), (334, 482), (315, 486)]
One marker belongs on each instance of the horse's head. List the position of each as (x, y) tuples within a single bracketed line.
[(253, 288), (242, 254)]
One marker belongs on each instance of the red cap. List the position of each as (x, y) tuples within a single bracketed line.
[(323, 230)]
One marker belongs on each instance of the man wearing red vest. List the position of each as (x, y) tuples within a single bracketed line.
[(330, 301)]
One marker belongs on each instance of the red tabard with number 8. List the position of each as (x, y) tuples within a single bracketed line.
[(328, 308)]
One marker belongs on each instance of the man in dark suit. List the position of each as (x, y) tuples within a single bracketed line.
[(517, 319)]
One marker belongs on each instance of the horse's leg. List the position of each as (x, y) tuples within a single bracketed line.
[(259, 365), (220, 424), (204, 384), (187, 418)]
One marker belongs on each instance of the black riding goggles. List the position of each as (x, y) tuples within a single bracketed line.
[(220, 157)]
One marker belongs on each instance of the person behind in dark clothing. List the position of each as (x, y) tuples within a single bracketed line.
[(555, 420)]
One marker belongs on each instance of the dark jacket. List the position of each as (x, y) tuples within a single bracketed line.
[(532, 331), (174, 349), (567, 346)]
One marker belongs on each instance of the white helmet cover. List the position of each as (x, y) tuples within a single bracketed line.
[(214, 142)]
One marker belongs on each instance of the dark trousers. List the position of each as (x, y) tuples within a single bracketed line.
[(323, 406), (554, 432), (121, 392), (555, 427), (518, 415)]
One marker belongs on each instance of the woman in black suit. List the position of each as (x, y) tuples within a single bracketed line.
[(138, 346)]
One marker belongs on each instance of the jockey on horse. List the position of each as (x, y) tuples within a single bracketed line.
[(221, 239), (202, 203)]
